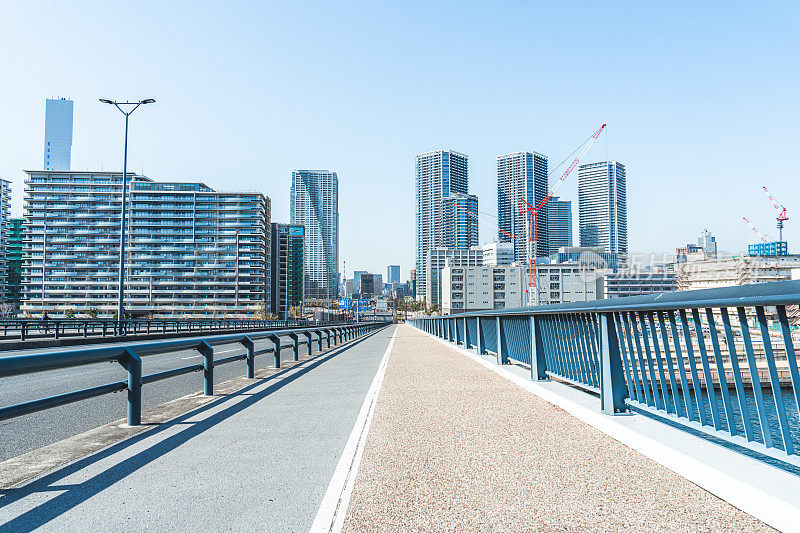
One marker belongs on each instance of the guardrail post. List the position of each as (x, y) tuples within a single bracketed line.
[(328, 337), (478, 336), (296, 346), (309, 349), (500, 357), (85, 330), (248, 343), (613, 390), (133, 364), (276, 341), (538, 362), (56, 329), (207, 351)]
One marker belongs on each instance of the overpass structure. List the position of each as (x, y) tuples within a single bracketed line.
[(637, 413)]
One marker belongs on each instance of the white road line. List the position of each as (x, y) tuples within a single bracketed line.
[(332, 511)]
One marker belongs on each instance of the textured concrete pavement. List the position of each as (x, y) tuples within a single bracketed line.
[(258, 459), (455, 447)]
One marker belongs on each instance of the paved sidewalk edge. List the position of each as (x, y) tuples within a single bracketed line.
[(333, 509), (769, 508)]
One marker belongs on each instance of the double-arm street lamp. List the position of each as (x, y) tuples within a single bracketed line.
[(126, 108)]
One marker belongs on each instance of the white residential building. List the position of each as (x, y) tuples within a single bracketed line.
[(475, 288), (635, 283), (435, 261), (568, 282)]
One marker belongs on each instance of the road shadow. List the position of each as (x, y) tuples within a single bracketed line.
[(75, 494)]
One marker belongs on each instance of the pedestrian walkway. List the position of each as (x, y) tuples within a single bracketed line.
[(259, 459), (454, 447)]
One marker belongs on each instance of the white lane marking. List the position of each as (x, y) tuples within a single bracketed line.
[(750, 498), (215, 353), (333, 509)]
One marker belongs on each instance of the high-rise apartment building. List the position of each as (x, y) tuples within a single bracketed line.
[(522, 175), (287, 270), (314, 204), (460, 225), (5, 227), (190, 250), (439, 174), (603, 206), (14, 261), (559, 219), (58, 134), (393, 274)]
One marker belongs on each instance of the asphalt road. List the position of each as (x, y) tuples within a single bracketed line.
[(257, 460), (30, 432)]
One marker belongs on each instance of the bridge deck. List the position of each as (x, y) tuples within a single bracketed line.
[(258, 459), (453, 446)]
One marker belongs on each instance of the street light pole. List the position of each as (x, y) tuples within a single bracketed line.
[(121, 297)]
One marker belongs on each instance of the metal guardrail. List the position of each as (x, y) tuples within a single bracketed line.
[(130, 357), (662, 354), (25, 329)]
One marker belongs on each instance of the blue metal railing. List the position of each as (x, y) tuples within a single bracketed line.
[(28, 328), (130, 357), (722, 361)]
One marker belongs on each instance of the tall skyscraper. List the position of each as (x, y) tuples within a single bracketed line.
[(314, 203), (603, 207), (460, 227), (522, 175), (393, 274), (439, 174), (58, 134), (559, 213)]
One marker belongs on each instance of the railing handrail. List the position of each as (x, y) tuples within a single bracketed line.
[(757, 294)]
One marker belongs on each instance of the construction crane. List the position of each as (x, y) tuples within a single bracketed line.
[(533, 211), (782, 216), (755, 230)]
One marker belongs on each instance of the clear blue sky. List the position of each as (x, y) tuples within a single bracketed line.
[(701, 101)]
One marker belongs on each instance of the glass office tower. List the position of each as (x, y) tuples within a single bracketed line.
[(603, 207), (287, 270), (314, 204), (58, 134), (559, 220)]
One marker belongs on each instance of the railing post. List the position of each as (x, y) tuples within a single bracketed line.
[(295, 346), (500, 357), (538, 361), (207, 351), (328, 337), (133, 364), (276, 341), (309, 348), (248, 343), (479, 336), (613, 390), (319, 338), (466, 334)]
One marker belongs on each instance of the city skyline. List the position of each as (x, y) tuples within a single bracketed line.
[(211, 132)]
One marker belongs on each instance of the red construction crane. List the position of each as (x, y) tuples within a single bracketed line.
[(533, 211), (781, 213), (755, 230), (484, 221)]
